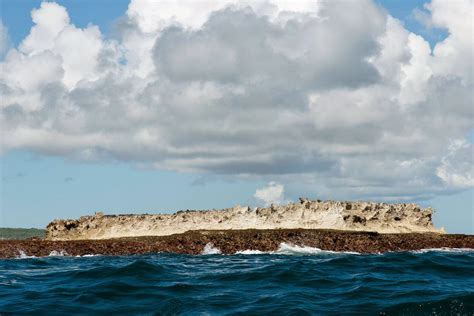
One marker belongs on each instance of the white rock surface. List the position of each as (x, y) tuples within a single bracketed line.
[(359, 215)]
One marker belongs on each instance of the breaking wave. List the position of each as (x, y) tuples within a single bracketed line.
[(23, 255), (289, 249), (60, 253), (453, 250), (251, 252), (283, 249), (54, 253), (209, 249)]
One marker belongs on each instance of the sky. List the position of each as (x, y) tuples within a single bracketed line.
[(139, 106)]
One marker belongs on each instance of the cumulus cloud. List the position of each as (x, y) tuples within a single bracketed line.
[(273, 193), (334, 97), (456, 168), (77, 48)]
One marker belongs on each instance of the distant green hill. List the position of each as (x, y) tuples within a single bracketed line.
[(20, 233)]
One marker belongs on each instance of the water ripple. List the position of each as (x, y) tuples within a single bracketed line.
[(427, 282)]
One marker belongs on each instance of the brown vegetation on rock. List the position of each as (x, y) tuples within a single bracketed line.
[(232, 241)]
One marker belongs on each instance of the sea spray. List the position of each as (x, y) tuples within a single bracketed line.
[(60, 253), (252, 252), (23, 255), (209, 249), (444, 249), (289, 249)]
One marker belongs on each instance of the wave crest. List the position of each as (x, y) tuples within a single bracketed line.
[(444, 249), (209, 249), (289, 249), (56, 253), (251, 252), (23, 255)]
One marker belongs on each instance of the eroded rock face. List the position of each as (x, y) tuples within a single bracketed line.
[(358, 216)]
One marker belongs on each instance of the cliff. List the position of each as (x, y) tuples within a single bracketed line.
[(355, 216)]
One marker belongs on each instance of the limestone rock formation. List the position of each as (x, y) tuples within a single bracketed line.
[(357, 216)]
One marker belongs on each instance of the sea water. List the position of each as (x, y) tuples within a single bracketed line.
[(290, 281)]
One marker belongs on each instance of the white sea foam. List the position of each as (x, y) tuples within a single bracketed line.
[(250, 252), (87, 255), (23, 255), (288, 249), (56, 253), (444, 249), (209, 249)]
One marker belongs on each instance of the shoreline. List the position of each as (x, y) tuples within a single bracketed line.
[(232, 241)]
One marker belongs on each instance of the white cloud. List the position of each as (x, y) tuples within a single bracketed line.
[(273, 193), (50, 19), (77, 48), (31, 73), (152, 16), (451, 55), (334, 97), (457, 166), (416, 72)]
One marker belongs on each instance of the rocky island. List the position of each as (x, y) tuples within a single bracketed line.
[(307, 214), (365, 227)]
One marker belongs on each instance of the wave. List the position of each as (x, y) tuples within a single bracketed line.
[(289, 280), (289, 249), (87, 255), (209, 249), (251, 252), (283, 249), (56, 253), (444, 249), (23, 255)]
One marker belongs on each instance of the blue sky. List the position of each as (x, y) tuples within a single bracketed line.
[(40, 184), (37, 188), (16, 14)]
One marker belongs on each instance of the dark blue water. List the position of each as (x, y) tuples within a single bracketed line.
[(431, 282)]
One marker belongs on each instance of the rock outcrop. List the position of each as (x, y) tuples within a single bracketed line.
[(234, 241), (307, 214)]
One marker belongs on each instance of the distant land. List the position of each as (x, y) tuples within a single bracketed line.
[(21, 233)]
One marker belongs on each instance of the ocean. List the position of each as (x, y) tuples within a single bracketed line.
[(291, 281)]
